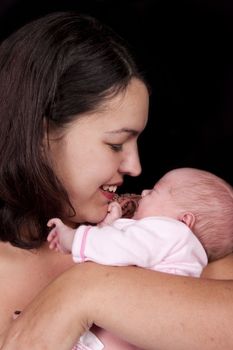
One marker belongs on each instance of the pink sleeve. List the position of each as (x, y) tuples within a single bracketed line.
[(79, 243)]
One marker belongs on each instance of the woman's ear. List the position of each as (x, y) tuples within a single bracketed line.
[(188, 219)]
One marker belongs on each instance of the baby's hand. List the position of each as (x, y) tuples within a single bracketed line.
[(59, 236), (128, 203), (53, 236), (114, 212)]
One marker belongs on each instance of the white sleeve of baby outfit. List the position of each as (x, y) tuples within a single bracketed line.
[(157, 243)]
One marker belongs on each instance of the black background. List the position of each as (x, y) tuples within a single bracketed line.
[(185, 50)]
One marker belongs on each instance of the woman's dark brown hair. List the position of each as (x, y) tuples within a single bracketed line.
[(51, 70)]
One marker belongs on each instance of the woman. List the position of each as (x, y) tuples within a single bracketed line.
[(72, 107)]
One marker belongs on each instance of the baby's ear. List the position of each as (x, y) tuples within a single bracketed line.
[(188, 219)]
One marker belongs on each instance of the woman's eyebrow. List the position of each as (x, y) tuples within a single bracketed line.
[(123, 130)]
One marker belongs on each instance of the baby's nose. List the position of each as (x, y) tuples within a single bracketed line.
[(144, 192)]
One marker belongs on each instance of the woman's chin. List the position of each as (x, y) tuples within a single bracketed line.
[(96, 216), (92, 214)]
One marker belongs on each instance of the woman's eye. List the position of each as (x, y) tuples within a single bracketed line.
[(116, 147)]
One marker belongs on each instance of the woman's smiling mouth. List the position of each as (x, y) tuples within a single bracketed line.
[(108, 191)]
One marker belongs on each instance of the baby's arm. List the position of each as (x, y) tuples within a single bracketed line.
[(149, 243), (60, 237)]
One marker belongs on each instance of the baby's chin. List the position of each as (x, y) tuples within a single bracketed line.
[(141, 214)]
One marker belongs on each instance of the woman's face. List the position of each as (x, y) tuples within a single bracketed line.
[(98, 149)]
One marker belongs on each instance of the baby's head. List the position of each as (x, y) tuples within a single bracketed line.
[(198, 198)]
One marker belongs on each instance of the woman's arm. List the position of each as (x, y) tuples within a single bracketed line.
[(150, 309), (220, 269)]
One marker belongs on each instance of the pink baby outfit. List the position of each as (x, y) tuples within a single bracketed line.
[(89, 341), (99, 339), (158, 243)]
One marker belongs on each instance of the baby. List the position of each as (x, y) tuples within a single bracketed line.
[(182, 223), (185, 206)]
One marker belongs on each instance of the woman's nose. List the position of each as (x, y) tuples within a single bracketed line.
[(131, 165)]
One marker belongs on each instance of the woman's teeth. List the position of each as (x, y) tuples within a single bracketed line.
[(109, 188)]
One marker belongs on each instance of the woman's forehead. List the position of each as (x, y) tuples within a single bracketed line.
[(128, 110)]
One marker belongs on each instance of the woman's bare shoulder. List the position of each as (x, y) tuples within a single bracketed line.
[(23, 274), (9, 284), (220, 269)]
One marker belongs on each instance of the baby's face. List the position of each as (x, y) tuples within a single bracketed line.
[(157, 201)]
